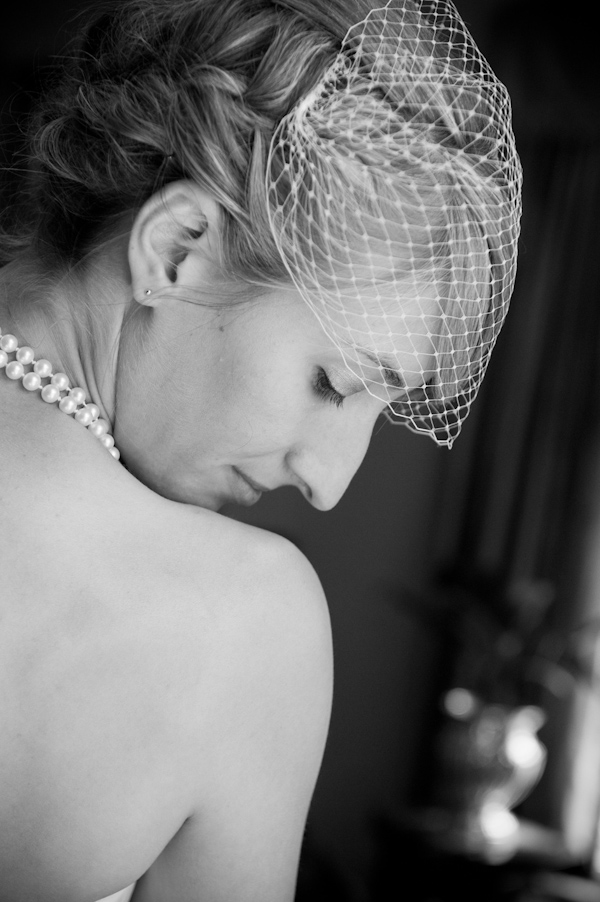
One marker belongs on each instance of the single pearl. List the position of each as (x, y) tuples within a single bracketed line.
[(3, 359), (115, 453), (94, 410), (9, 343), (25, 355), (107, 440), (50, 394), (31, 381), (84, 416), (68, 405), (15, 370), (61, 380), (98, 428), (43, 368), (78, 395)]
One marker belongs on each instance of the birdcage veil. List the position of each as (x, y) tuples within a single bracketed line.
[(394, 199)]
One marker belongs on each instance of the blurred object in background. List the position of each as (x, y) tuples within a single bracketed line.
[(488, 759)]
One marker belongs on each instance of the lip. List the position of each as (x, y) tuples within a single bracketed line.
[(247, 491)]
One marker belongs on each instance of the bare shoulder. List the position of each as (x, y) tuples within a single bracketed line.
[(187, 658), (248, 573), (248, 619), (265, 703), (263, 595)]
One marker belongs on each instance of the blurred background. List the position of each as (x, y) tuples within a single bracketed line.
[(464, 586)]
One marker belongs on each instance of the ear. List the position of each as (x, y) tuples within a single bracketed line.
[(174, 239)]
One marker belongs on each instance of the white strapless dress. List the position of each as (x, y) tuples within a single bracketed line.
[(124, 895)]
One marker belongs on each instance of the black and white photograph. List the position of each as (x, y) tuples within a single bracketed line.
[(299, 451)]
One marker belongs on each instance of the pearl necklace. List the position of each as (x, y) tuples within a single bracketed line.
[(37, 375)]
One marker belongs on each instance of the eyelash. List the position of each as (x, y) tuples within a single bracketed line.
[(325, 389)]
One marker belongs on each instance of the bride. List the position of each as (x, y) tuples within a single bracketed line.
[(236, 247)]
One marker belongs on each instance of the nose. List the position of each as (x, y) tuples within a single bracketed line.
[(325, 462)]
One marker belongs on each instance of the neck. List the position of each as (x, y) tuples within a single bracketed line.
[(74, 320)]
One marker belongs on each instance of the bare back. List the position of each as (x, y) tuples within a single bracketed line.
[(149, 652)]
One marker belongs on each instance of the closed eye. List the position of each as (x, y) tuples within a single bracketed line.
[(325, 390)]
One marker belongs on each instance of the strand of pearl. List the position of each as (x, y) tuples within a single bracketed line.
[(55, 388)]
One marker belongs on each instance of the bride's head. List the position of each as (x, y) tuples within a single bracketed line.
[(272, 220)]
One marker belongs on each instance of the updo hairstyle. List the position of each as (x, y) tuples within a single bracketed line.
[(159, 90)]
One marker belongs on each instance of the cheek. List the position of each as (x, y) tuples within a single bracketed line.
[(257, 376), (243, 407)]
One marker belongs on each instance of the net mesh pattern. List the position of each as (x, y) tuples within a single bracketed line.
[(394, 199)]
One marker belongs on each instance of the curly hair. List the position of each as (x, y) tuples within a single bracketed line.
[(156, 90)]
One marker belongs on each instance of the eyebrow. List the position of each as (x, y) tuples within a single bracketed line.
[(393, 377)]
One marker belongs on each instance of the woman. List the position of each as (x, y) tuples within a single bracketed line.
[(205, 178)]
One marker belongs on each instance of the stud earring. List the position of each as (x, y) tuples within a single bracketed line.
[(148, 292)]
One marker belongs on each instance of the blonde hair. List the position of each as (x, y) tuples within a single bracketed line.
[(156, 90)]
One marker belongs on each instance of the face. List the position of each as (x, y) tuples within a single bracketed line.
[(225, 403)]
